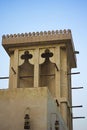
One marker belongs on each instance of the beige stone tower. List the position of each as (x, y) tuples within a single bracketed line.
[(39, 94)]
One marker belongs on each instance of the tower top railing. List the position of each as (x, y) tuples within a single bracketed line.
[(42, 33), (36, 37)]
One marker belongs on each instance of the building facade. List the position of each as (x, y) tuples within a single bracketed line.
[(39, 94)]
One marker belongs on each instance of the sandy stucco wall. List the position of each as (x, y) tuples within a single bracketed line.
[(53, 114), (14, 103)]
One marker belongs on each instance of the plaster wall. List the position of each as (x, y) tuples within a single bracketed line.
[(53, 114), (14, 103)]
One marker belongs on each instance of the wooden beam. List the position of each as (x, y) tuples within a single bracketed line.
[(76, 106), (77, 88), (4, 77), (73, 73), (78, 117)]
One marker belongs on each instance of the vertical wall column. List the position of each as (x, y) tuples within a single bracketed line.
[(13, 80), (36, 68), (64, 84), (11, 73), (15, 69), (63, 71), (64, 111), (57, 72)]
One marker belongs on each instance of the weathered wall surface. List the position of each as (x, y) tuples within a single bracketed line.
[(14, 103), (13, 108), (53, 114)]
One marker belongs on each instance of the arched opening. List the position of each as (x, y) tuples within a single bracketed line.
[(26, 71), (47, 72)]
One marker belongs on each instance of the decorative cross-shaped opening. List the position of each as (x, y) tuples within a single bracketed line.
[(47, 54), (26, 56)]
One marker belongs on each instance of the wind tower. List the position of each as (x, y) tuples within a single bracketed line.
[(39, 94)]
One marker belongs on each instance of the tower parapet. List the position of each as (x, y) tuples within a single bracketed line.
[(57, 32)]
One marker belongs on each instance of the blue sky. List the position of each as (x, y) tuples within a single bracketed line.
[(20, 16)]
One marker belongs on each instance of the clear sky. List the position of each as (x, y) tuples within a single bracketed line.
[(20, 16)]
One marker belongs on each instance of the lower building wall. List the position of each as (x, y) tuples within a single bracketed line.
[(53, 114), (37, 102)]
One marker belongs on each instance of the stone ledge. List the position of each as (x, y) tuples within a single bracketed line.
[(40, 91)]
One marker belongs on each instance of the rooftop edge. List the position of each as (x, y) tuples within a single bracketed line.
[(41, 33)]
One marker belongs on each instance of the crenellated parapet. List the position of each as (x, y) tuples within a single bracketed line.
[(33, 34), (36, 38)]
